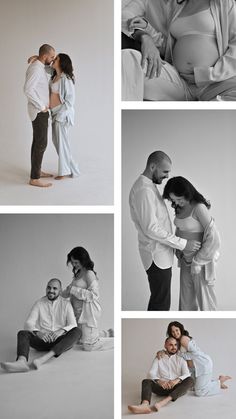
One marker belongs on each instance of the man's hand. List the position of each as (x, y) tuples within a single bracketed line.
[(136, 22), (150, 56), (173, 383), (164, 384), (195, 269), (45, 336), (56, 334), (45, 110), (160, 354), (192, 245)]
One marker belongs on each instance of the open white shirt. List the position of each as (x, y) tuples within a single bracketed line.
[(36, 88), (48, 316), (169, 368), (151, 218)]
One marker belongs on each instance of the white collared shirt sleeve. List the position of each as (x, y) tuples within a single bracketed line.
[(33, 76), (184, 370), (145, 202), (32, 319), (153, 372)]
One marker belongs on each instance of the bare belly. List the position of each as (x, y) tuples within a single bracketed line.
[(54, 100), (194, 51)]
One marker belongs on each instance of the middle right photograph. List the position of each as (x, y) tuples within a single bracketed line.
[(178, 200)]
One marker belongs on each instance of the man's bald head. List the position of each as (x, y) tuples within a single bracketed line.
[(158, 167), (157, 157)]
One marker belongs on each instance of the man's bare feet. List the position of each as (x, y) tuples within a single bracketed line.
[(45, 174), (62, 177), (141, 408), (18, 366), (222, 379), (37, 182)]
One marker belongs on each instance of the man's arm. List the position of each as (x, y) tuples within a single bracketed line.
[(145, 210), (32, 77), (31, 321)]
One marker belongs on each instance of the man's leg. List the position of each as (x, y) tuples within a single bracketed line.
[(144, 407), (173, 394), (159, 283), (23, 346), (39, 144), (60, 345)]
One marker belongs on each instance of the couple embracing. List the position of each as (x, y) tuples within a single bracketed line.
[(196, 241), (49, 88)]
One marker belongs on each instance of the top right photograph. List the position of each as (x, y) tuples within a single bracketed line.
[(178, 50)]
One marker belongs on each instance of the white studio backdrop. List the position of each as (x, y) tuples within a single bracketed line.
[(83, 30), (201, 145), (34, 248)]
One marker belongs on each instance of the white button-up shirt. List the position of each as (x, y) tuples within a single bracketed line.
[(48, 316), (151, 218), (36, 88), (169, 368)]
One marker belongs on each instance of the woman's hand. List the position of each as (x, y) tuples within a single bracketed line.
[(150, 57), (32, 59), (160, 354), (195, 269), (137, 22)]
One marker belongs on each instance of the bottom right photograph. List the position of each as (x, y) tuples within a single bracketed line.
[(179, 368)]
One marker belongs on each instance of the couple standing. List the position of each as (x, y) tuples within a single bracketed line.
[(196, 240), (49, 87)]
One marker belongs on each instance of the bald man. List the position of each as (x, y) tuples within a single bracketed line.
[(152, 221), (51, 327)]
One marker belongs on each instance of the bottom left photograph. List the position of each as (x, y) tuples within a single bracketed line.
[(57, 333)]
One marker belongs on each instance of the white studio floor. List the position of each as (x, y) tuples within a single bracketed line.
[(76, 385), (93, 187), (186, 407)]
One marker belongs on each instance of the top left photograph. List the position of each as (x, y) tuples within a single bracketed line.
[(57, 102)]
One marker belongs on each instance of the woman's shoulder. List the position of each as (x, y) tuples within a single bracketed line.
[(89, 277)]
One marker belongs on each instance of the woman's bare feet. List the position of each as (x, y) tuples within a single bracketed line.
[(37, 182), (141, 408), (222, 379), (45, 174), (62, 177)]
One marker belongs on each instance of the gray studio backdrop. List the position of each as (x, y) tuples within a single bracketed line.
[(33, 249), (202, 147), (84, 30)]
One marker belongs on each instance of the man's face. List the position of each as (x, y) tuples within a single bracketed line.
[(53, 290), (161, 171), (171, 346), (50, 57)]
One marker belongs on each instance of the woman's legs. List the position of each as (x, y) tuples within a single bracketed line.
[(205, 293), (60, 138), (205, 386), (91, 342), (187, 293)]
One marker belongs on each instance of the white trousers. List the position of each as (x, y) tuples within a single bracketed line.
[(91, 341), (195, 292), (60, 138), (205, 386)]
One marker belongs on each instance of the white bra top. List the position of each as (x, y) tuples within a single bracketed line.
[(189, 224), (201, 23), (55, 86)]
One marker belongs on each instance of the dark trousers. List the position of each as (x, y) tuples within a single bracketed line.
[(151, 386), (25, 339), (159, 283), (127, 42), (39, 144)]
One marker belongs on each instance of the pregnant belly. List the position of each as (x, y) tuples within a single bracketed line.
[(197, 236), (194, 51), (54, 100)]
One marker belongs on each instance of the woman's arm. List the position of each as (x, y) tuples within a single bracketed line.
[(91, 293)]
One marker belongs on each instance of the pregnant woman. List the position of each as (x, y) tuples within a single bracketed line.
[(188, 50), (200, 363), (62, 111), (84, 296), (193, 222)]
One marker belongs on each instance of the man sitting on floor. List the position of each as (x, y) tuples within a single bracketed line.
[(169, 376), (51, 326)]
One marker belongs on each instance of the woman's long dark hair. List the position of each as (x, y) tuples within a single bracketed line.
[(81, 254), (180, 326), (66, 66), (180, 186)]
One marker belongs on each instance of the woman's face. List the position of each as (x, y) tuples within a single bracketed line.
[(178, 201), (175, 332), (75, 264), (56, 63)]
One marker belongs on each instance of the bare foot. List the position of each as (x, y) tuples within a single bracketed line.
[(45, 174), (36, 364), (62, 177), (222, 379), (141, 408), (17, 366), (37, 182)]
